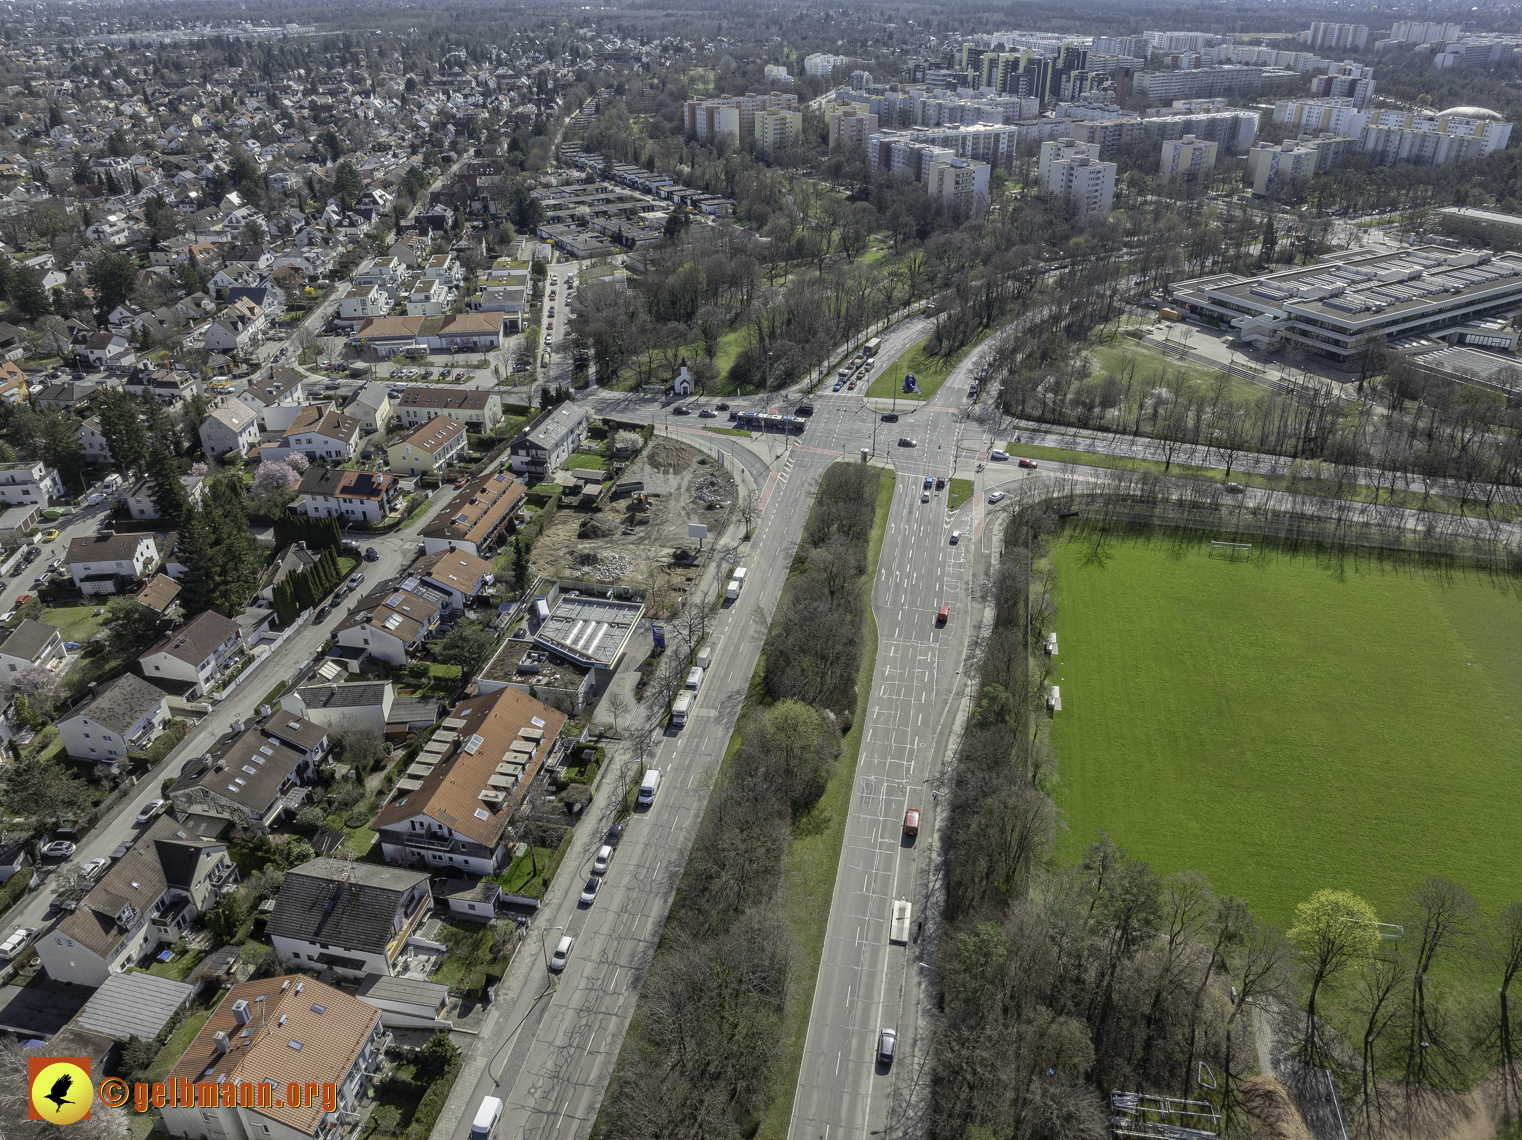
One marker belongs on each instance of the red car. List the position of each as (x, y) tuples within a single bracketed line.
[(851, 387), (1027, 463), (459, 482), (942, 614), (459, 376), (22, 600), (912, 822)]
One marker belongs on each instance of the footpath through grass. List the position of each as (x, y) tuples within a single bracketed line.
[(1284, 725), (1300, 485), (813, 858)]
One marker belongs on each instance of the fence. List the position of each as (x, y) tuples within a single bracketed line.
[(227, 690)]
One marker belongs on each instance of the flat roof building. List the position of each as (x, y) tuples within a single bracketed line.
[(592, 632)]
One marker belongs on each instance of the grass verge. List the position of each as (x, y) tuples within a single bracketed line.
[(728, 431), (958, 492), (813, 858), (929, 371)]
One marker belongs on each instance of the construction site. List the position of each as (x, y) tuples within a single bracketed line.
[(638, 536)]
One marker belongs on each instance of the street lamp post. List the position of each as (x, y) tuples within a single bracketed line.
[(542, 950)]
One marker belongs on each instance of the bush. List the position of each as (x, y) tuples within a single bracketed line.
[(310, 819), (357, 818)]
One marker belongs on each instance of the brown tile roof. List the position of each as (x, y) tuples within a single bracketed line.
[(478, 509), (435, 435), (330, 1041), (451, 793), (385, 327), (160, 592), (443, 399), (456, 569), (472, 324), (336, 483), (105, 547), (405, 612)]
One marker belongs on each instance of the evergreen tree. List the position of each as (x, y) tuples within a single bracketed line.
[(161, 427), (237, 548), (520, 563), (199, 554), (122, 426), (168, 493)]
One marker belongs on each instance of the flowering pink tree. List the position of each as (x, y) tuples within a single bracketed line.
[(272, 478), (198, 469), (297, 462)]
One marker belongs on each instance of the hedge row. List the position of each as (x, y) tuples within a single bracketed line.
[(428, 1109)]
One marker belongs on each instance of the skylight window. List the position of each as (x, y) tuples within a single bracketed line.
[(296, 1045), (249, 768), (473, 743), (319, 1008), (482, 813)]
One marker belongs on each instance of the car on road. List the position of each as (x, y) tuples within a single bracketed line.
[(851, 387), (887, 1041), (21, 600), (321, 615), (355, 580), (890, 417), (924, 496), (33, 553), (1028, 463), (996, 497), (604, 857), (94, 867), (58, 849), (460, 482), (708, 414), (55, 564), (942, 615), (839, 384), (723, 407), (49, 535), (956, 537), (615, 833), (42, 577), (928, 482), (554, 280), (371, 554), (1235, 489), (912, 818), (20, 938), (680, 410), (150, 809), (589, 892), (905, 441), (561, 954), (997, 455)]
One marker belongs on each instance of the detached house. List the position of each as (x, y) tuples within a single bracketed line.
[(29, 484), (97, 450), (124, 714), (458, 573), (139, 496), (453, 813), (231, 334), (110, 563), (320, 433), (191, 658), (230, 426), (354, 918), (323, 1036), (354, 496), (429, 449), (276, 400), (365, 703), (30, 643), (150, 896), (549, 440), (391, 624), (261, 776)]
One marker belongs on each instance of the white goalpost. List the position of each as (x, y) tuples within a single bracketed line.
[(1231, 551)]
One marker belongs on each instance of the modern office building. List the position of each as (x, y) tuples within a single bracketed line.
[(1336, 307)]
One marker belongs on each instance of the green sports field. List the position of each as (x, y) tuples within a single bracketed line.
[(1283, 727)]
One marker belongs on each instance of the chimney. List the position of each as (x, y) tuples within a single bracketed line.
[(240, 1011), (219, 1039)]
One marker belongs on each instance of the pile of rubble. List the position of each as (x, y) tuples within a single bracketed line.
[(709, 489), (612, 567)]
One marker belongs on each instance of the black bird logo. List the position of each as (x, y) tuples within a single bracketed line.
[(60, 1092)]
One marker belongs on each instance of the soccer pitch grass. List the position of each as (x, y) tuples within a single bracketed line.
[(1283, 727)]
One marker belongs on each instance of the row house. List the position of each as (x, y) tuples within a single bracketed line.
[(368, 497), (261, 777)]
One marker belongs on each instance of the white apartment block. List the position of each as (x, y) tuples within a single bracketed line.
[(1325, 36), (1321, 117), (1188, 158), (1071, 172), (1422, 32), (821, 64), (1279, 167)]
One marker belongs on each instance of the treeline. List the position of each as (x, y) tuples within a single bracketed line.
[(317, 533), (698, 1057), (303, 589)]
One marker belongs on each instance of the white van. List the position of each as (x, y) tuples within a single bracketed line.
[(484, 1126), (648, 787), (16, 942), (694, 678), (705, 655)]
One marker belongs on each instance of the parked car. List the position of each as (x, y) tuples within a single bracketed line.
[(604, 857), (887, 1041), (956, 537), (55, 564), (1235, 489), (356, 579), (58, 849), (998, 455), (19, 940), (321, 615), (150, 810), (996, 497), (49, 535), (562, 953), (615, 833), (912, 819), (589, 892), (94, 867)]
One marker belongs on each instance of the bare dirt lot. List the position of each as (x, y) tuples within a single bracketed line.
[(643, 544)]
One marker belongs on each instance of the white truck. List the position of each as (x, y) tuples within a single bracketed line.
[(735, 584), (694, 678), (681, 708), (704, 658)]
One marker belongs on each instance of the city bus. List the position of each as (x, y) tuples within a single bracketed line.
[(759, 421)]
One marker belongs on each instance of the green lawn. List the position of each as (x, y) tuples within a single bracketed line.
[(582, 461), (930, 371), (958, 492), (1283, 725), (178, 1041), (522, 879), (1110, 355), (76, 623), (729, 431)]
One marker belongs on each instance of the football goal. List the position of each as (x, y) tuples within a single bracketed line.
[(1231, 551)]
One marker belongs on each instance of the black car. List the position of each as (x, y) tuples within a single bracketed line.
[(890, 417), (321, 615), (723, 407), (680, 410), (615, 833), (805, 409), (371, 554)]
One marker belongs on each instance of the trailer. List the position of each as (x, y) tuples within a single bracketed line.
[(898, 929), (628, 487)]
